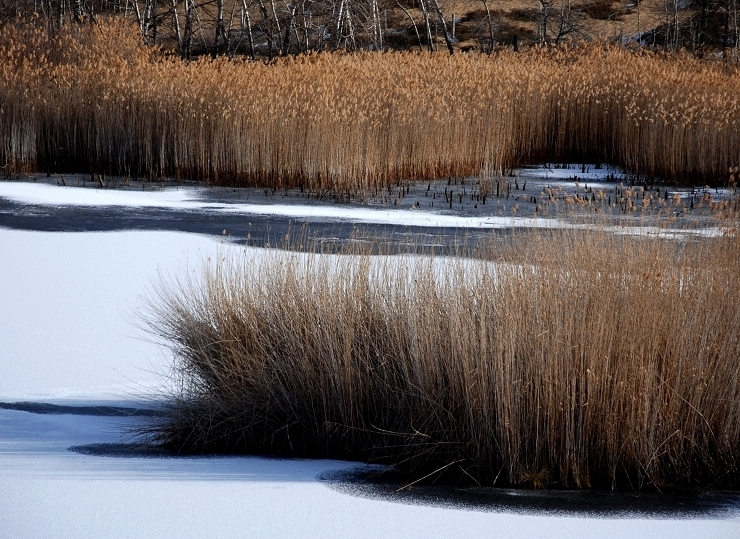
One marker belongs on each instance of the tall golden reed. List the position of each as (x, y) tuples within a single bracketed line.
[(569, 359), (92, 99)]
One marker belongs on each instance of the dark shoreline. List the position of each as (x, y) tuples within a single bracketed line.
[(676, 504)]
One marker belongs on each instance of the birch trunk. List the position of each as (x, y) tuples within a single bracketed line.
[(445, 31)]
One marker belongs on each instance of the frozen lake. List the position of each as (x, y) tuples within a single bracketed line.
[(70, 292), (435, 213)]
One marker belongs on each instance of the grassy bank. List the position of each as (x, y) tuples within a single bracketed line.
[(572, 359), (91, 99)]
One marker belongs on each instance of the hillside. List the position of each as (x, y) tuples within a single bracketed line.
[(268, 28)]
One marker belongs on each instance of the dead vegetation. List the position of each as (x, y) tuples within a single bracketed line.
[(571, 359), (97, 101), (263, 29)]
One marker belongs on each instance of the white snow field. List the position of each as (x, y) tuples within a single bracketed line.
[(68, 334)]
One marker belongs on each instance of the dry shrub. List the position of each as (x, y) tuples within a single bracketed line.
[(571, 359), (92, 99)]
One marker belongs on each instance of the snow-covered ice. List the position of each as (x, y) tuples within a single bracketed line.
[(191, 199), (68, 327), (47, 491), (69, 310), (195, 200)]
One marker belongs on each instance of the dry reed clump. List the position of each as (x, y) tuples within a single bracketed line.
[(92, 99), (575, 359)]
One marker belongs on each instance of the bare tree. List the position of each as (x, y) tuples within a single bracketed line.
[(277, 23), (413, 24), (492, 41), (176, 26), (544, 14), (188, 35), (445, 32), (291, 9), (568, 22), (344, 27), (268, 28), (377, 26), (305, 23), (147, 21), (247, 25), (220, 41), (77, 11), (425, 13), (736, 28)]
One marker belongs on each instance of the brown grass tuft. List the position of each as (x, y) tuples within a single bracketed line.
[(574, 359)]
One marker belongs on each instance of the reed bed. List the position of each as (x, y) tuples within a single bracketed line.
[(93, 99), (571, 359)]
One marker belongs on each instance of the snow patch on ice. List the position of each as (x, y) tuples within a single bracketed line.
[(191, 200)]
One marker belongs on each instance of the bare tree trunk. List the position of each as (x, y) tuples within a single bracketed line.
[(187, 41), (737, 28), (445, 32), (227, 31), (203, 40), (566, 23), (139, 18), (350, 27), (344, 20), (726, 37), (277, 22), (377, 27), (77, 10), (90, 8), (492, 42), (380, 27), (425, 12), (146, 22), (248, 21), (338, 28), (297, 36), (306, 41), (220, 37), (176, 25), (413, 23), (155, 22), (675, 24), (544, 15), (49, 17), (268, 24), (288, 27), (61, 14), (667, 24)]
